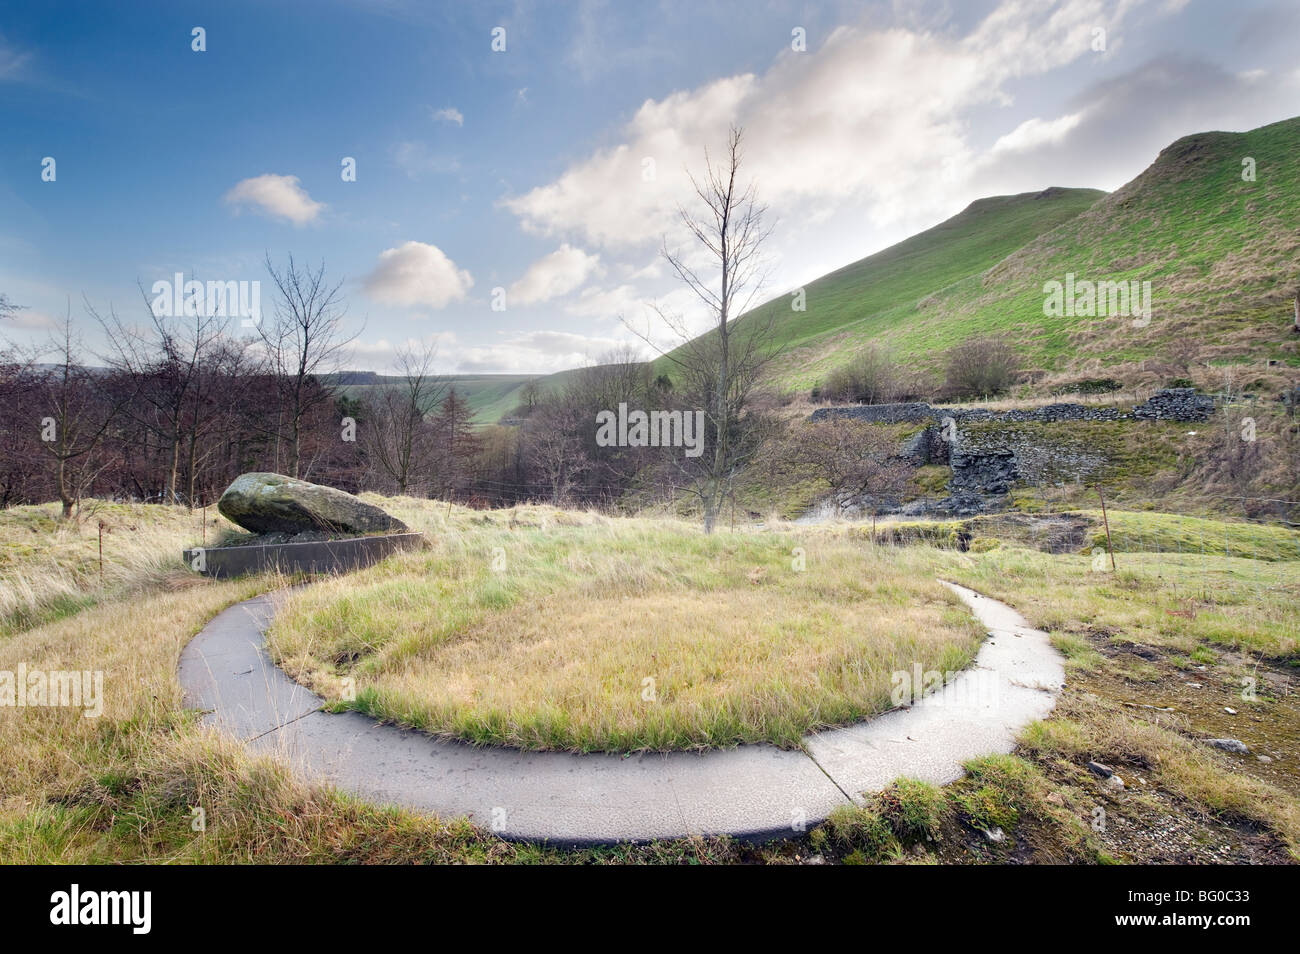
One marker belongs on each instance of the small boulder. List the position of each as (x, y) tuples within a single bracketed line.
[(1097, 768), (274, 503), (1228, 745)]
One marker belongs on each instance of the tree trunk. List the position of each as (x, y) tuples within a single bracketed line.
[(173, 475), (65, 497)]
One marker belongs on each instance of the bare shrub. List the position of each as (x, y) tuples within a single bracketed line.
[(980, 368), (870, 377), (854, 457)]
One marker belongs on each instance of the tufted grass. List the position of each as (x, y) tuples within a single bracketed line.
[(544, 630)]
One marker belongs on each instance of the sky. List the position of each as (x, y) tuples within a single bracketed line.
[(519, 166)]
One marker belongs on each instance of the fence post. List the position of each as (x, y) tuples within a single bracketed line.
[(1106, 520)]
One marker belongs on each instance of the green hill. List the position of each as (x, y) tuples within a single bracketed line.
[(1222, 256), (859, 301)]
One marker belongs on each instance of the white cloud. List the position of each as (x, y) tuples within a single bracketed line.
[(381, 354), (1033, 133), (449, 114), (1118, 125), (875, 119), (417, 274), (535, 352), (593, 302), (553, 275), (30, 320), (540, 352), (278, 196)]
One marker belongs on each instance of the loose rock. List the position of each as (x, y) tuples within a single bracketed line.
[(1228, 745)]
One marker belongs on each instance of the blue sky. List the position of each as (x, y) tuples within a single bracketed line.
[(524, 169)]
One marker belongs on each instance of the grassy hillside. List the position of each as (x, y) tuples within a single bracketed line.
[(861, 300), (1222, 256)]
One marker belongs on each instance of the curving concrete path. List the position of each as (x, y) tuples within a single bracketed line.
[(751, 791)]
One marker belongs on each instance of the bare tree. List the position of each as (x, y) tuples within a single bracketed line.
[(399, 439), (70, 412), (303, 340), (553, 445), (720, 368), (869, 377), (457, 443), (530, 394), (171, 359)]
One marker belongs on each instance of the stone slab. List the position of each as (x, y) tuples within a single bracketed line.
[(321, 556)]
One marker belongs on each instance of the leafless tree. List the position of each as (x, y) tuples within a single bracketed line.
[(399, 438), (869, 377), (554, 446), (171, 357), (457, 443), (530, 394), (719, 369), (303, 340), (69, 411), (7, 306)]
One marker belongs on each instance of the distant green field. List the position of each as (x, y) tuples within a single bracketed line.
[(490, 396)]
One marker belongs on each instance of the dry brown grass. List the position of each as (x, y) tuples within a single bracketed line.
[(631, 634)]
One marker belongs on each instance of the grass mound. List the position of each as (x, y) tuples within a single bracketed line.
[(524, 629)]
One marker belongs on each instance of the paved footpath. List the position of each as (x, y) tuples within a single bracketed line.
[(567, 799)]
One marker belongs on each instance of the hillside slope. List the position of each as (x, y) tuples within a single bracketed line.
[(861, 300), (1222, 256)]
